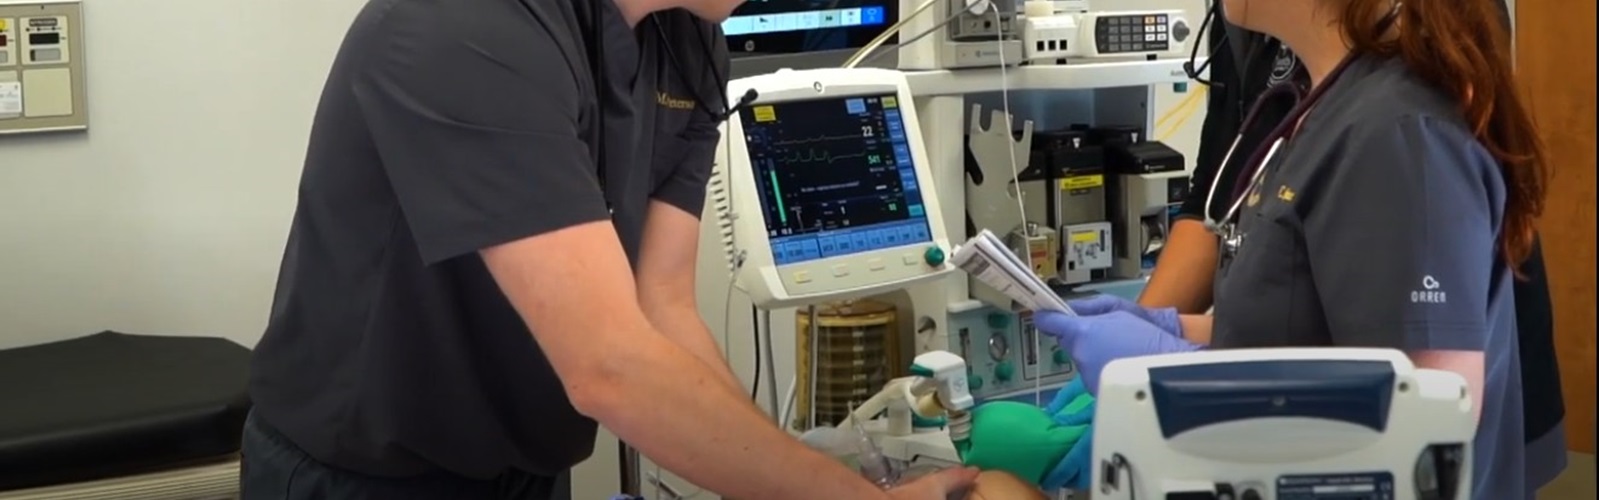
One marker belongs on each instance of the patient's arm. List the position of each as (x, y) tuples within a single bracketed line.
[(996, 485)]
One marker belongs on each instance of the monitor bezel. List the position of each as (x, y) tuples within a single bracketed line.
[(770, 284)]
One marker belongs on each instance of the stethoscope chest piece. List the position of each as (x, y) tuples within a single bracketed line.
[(1234, 239)]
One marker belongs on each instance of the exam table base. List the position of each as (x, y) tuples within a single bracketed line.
[(214, 480)]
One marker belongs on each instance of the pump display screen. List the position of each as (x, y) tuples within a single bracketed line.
[(835, 177)]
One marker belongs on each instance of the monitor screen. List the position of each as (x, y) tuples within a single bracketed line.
[(790, 26), (835, 177)]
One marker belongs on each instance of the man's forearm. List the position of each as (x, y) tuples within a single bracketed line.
[(685, 328), (667, 403), (1184, 275)]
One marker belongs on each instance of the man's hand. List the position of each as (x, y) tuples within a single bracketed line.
[(941, 485), (574, 289)]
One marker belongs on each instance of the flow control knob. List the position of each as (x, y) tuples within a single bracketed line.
[(1003, 371), (934, 256)]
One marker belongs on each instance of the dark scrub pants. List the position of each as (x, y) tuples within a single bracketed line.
[(276, 468), (1376, 226), (392, 366)]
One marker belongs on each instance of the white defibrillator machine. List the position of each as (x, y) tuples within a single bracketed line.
[(825, 192), (1281, 424)]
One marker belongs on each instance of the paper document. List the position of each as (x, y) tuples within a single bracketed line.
[(991, 262), (10, 98)]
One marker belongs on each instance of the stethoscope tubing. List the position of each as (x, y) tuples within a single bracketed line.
[(1278, 135), (1255, 166)]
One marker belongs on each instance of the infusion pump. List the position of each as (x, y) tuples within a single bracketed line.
[(823, 190)]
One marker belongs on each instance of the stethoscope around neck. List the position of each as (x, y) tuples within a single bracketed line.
[(1255, 165), (1226, 228)]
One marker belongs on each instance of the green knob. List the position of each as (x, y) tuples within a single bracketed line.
[(998, 321), (1003, 371), (974, 382), (934, 256), (1061, 358)]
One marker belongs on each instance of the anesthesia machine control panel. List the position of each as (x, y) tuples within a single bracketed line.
[(41, 66), (825, 191), (1005, 357)]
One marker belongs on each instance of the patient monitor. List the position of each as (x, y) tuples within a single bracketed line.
[(824, 191)]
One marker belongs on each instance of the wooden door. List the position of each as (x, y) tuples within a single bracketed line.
[(1555, 59)]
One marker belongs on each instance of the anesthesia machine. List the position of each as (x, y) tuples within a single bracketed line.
[(828, 199), (824, 194)]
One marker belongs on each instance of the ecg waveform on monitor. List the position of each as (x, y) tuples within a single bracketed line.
[(814, 140), (812, 156)]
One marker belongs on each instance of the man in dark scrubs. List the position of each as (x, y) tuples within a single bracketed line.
[(494, 249), (1246, 65)]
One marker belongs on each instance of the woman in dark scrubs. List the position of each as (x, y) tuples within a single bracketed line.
[(1389, 207)]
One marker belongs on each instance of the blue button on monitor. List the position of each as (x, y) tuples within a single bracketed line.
[(872, 15), (809, 250), (842, 244), (874, 238), (891, 237), (855, 106), (907, 233), (920, 232), (828, 247), (917, 211), (901, 151)]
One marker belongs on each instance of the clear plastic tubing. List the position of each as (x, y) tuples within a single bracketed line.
[(874, 465)]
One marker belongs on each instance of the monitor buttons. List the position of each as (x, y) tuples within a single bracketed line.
[(911, 259), (875, 264), (840, 271), (802, 277)]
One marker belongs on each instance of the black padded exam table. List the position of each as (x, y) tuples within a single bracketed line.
[(113, 405)]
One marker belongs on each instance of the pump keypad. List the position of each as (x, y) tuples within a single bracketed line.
[(1132, 33)]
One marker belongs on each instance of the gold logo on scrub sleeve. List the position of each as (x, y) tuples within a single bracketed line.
[(1254, 191), (667, 101), (1285, 194)]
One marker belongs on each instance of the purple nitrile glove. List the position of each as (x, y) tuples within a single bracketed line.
[(1095, 341), (1163, 317)]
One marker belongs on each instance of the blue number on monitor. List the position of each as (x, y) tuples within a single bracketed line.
[(836, 177)]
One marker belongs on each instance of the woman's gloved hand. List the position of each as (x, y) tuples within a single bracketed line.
[(1095, 341), (1073, 470), (1163, 317)]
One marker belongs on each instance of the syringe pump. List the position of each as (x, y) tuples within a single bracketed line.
[(1052, 31)]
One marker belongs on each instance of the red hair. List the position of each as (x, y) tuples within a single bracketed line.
[(1463, 48)]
